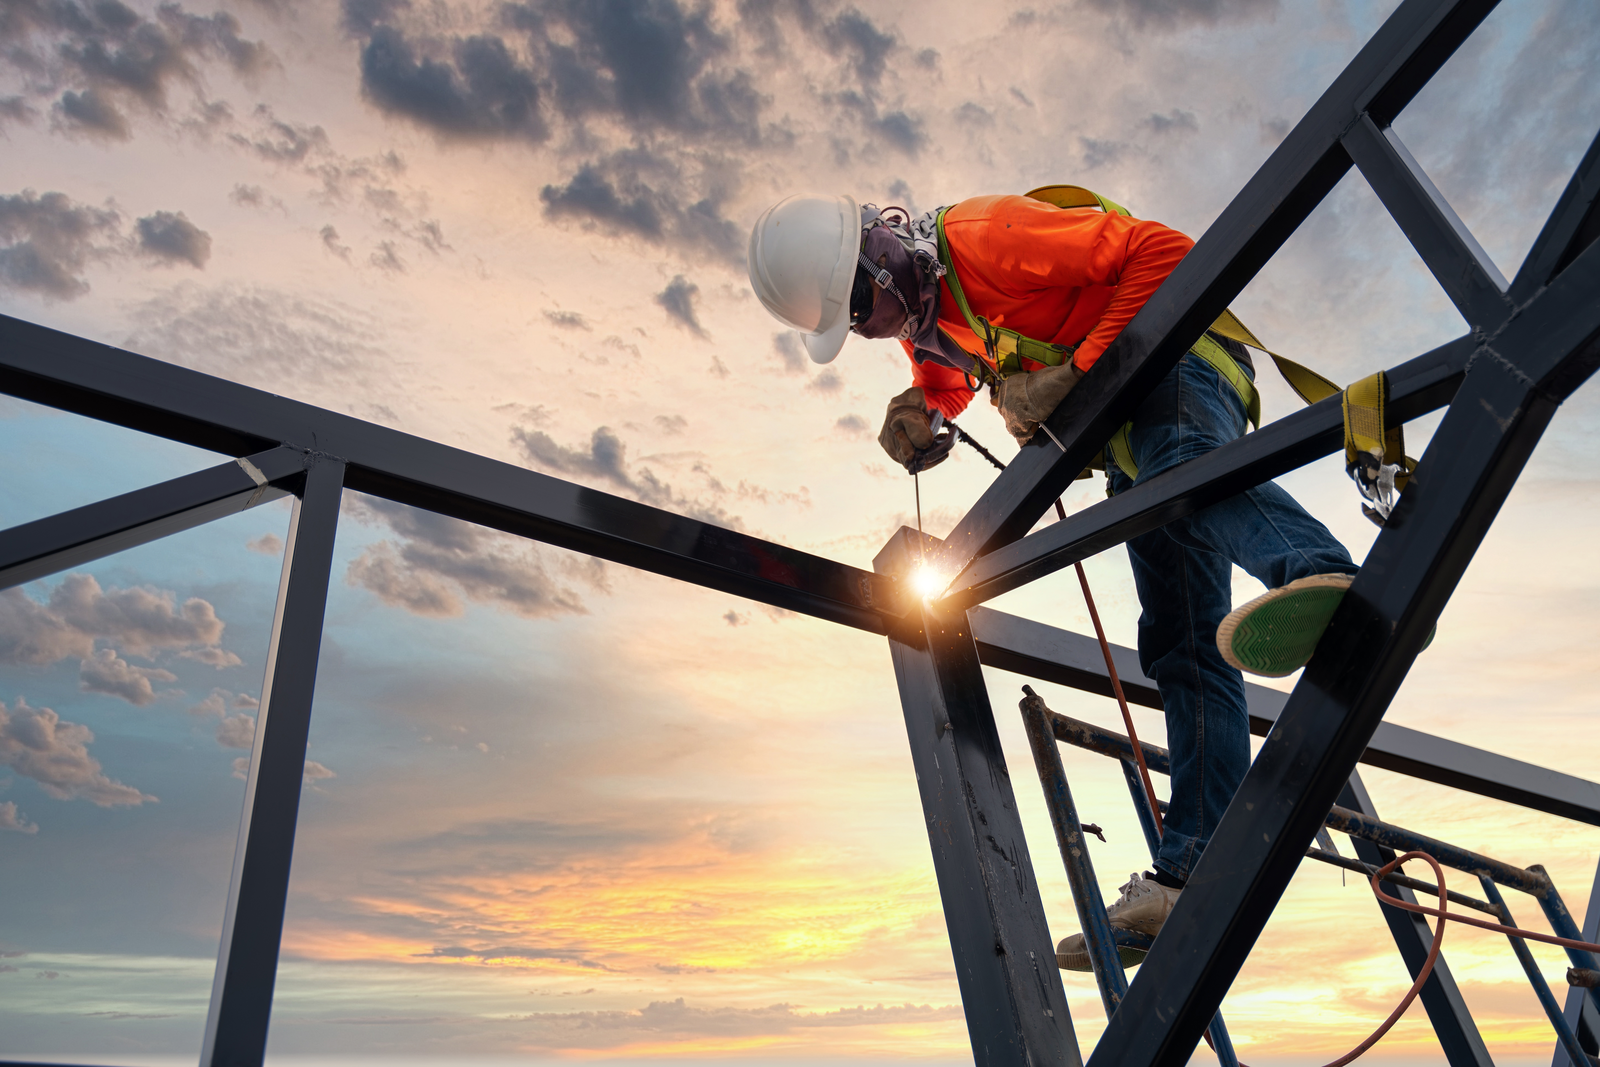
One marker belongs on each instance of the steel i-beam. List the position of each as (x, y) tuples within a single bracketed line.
[(1011, 991), (247, 962)]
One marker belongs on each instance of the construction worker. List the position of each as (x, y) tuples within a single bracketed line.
[(1022, 296)]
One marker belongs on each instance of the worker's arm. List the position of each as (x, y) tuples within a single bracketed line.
[(945, 389), (1034, 246)]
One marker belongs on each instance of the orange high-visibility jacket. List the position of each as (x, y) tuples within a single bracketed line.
[(1071, 276)]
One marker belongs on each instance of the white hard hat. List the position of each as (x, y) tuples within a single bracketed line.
[(802, 263)]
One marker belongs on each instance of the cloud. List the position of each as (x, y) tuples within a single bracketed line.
[(16, 109), (12, 819), (256, 335), (106, 672), (605, 459), (438, 561), (331, 242), (1176, 119), (268, 544), (1173, 14), (638, 193), (92, 113), (142, 621), (278, 141), (657, 106), (255, 197), (672, 425), (567, 320), (852, 425), (169, 238), (316, 772), (237, 731), (478, 90), (1098, 152), (508, 952), (790, 352), (105, 57), (678, 300), (211, 657), (733, 618), (669, 1020), (386, 257), (829, 381), (36, 743), (46, 241), (215, 704), (863, 43)]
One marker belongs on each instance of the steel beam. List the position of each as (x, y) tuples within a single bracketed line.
[(1011, 991), (1565, 1037), (150, 396), (1580, 1012), (72, 538), (1458, 262), (1512, 388), (247, 961), (1418, 386), (1451, 1018), (1574, 225), (1406, 51), (1036, 650), (1104, 959)]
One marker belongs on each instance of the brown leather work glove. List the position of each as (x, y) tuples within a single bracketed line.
[(1026, 400), (907, 428)]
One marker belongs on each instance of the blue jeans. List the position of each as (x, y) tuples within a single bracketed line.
[(1183, 575)]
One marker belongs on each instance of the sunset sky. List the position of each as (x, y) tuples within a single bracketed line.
[(560, 810)]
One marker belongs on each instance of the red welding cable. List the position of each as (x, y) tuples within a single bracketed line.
[(1427, 965), (1116, 687), (1441, 913), (1509, 931)]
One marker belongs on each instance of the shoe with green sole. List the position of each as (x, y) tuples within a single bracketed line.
[(1276, 633)]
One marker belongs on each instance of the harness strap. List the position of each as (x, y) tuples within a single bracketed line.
[(1119, 449), (1374, 452), (1005, 348)]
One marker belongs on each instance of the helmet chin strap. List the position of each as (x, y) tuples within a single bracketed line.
[(885, 281)]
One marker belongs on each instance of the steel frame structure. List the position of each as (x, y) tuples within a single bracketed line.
[(1530, 343)]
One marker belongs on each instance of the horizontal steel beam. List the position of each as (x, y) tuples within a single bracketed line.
[(1036, 650), (1383, 77), (1533, 882), (109, 384), (73, 538), (1418, 386)]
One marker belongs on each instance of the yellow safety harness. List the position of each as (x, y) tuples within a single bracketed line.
[(1374, 453)]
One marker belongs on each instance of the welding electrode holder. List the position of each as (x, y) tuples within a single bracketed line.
[(934, 453)]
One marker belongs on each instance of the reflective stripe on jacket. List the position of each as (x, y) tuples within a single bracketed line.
[(1068, 276)]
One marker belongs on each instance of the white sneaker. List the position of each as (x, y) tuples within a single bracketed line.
[(1143, 907)]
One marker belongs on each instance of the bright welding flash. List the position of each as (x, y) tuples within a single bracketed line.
[(928, 580)]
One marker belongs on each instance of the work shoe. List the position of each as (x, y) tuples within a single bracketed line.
[(1143, 906), (1276, 633)]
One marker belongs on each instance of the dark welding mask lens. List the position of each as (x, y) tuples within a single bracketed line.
[(860, 297)]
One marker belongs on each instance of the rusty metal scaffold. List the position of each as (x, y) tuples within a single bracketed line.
[(1530, 343)]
